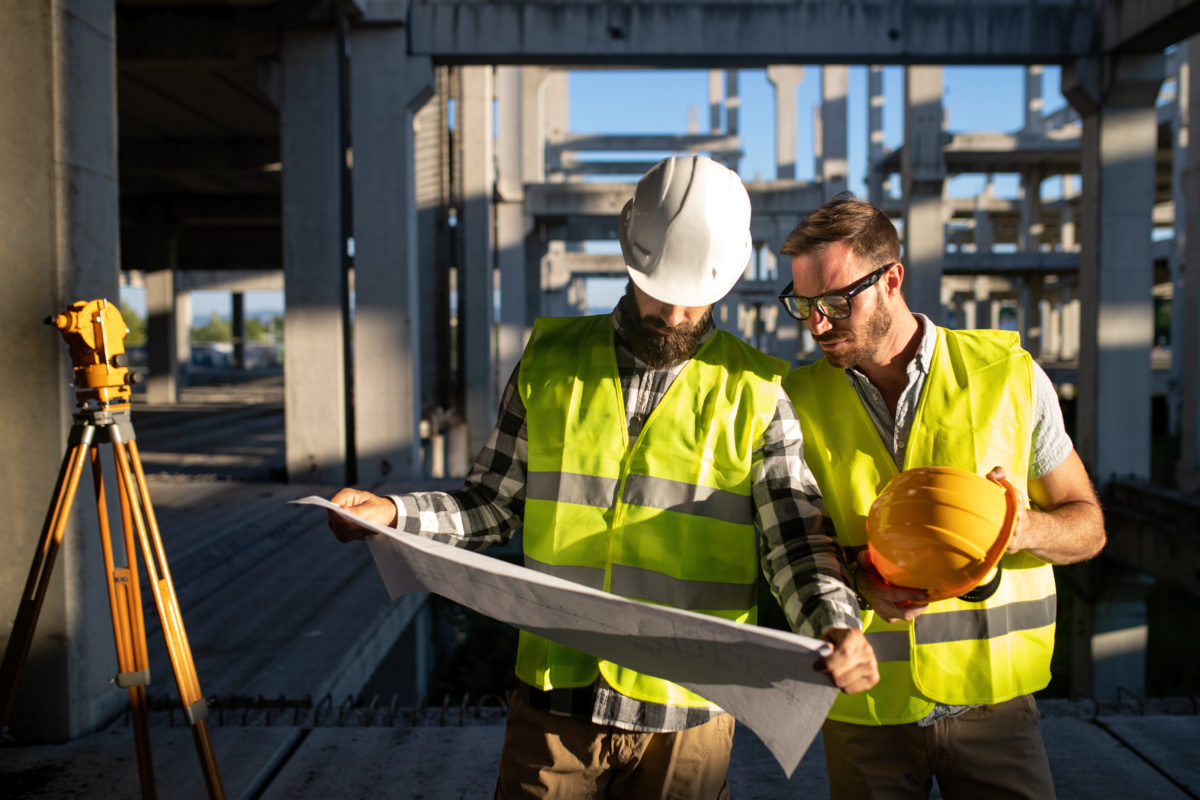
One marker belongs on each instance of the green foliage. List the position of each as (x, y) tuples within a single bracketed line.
[(136, 324), (217, 330)]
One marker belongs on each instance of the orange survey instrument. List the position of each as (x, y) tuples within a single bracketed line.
[(95, 333)]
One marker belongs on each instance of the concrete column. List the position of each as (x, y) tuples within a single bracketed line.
[(161, 350), (985, 229), (1068, 241), (556, 108), (313, 247), (476, 266), (433, 249), (875, 151), (238, 328), (1188, 348), (1035, 120), (1175, 261), (59, 228), (1120, 136), (512, 224), (785, 79), (1071, 316), (1033, 332), (387, 89), (716, 97), (1029, 234), (183, 334), (835, 83), (923, 170), (981, 315)]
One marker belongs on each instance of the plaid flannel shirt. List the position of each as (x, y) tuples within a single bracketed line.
[(799, 554)]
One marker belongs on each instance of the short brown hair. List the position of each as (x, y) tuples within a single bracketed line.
[(845, 218)]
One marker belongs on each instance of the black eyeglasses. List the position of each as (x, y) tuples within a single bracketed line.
[(831, 306)]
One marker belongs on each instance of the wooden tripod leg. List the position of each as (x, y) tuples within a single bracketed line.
[(129, 629), (43, 564), (133, 485)]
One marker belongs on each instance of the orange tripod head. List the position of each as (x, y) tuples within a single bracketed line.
[(95, 333)]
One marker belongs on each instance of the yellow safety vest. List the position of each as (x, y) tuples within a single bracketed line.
[(666, 519), (975, 413)]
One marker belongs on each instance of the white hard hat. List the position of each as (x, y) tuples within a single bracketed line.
[(685, 234)]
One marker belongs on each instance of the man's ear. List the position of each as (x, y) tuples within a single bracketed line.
[(893, 279)]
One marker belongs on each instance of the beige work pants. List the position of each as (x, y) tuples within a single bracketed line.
[(549, 756), (991, 751)]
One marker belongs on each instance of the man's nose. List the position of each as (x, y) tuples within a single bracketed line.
[(817, 322), (672, 315)]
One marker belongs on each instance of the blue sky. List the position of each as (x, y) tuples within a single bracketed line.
[(658, 101)]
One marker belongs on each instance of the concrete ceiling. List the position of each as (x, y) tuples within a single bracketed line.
[(198, 80)]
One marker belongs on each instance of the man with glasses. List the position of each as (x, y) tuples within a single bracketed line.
[(650, 455), (895, 391)]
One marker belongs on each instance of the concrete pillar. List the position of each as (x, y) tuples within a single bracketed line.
[(475, 267), (183, 335), (512, 224), (387, 89), (875, 151), (985, 229), (923, 169), (1029, 234), (313, 248), (835, 83), (1033, 332), (238, 328), (556, 110), (785, 79), (161, 350), (1188, 348), (60, 243), (1068, 241), (1071, 316), (716, 97), (1178, 256), (1035, 120), (1120, 136), (433, 248), (981, 314)]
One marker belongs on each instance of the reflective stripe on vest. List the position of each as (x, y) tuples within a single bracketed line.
[(975, 412), (655, 587), (666, 519)]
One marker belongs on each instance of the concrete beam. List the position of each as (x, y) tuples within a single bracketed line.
[(1146, 26), (1010, 263), (669, 142), (752, 33)]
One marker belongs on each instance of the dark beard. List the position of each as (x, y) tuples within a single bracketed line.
[(656, 345), (873, 333)]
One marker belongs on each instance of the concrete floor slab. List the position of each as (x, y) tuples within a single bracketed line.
[(104, 766), (401, 763), (1164, 742)]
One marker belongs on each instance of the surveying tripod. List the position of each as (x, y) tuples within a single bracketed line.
[(95, 333)]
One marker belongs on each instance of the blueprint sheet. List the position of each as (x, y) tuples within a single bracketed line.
[(763, 677)]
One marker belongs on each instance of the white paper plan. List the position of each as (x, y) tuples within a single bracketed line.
[(762, 676)]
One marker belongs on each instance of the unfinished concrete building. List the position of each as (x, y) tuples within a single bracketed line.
[(405, 172)]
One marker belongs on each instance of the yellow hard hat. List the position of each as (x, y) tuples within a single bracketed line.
[(940, 529)]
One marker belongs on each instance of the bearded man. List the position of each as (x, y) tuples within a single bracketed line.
[(648, 455)]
